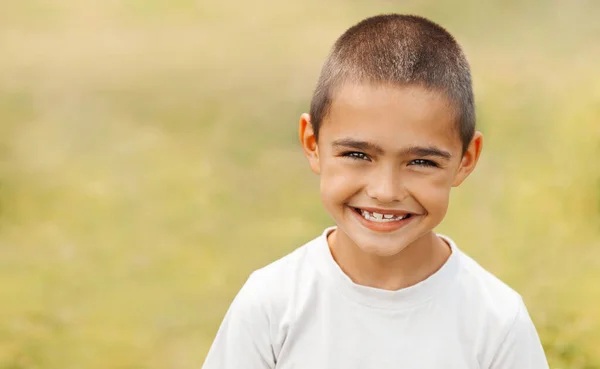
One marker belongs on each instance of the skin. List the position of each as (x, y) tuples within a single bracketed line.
[(391, 149)]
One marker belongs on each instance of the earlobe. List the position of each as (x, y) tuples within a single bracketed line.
[(469, 159), (309, 143)]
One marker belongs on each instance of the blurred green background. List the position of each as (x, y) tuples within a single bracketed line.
[(149, 162)]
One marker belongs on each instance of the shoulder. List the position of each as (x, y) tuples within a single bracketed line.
[(492, 294), (482, 294), (508, 336), (491, 309), (258, 319), (284, 270), (273, 285), (476, 282)]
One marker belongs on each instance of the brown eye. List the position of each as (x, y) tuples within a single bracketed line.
[(355, 155), (423, 163)]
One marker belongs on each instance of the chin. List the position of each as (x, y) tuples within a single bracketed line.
[(382, 248)]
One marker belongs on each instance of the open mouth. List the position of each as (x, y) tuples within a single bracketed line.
[(386, 217)]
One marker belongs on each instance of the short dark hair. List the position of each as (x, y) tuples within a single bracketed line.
[(400, 50)]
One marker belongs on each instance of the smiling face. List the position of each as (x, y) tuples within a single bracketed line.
[(387, 157)]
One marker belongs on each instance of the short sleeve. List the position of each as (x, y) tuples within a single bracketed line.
[(243, 339), (521, 348)]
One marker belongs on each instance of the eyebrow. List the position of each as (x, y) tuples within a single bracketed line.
[(427, 151), (358, 145), (412, 150)]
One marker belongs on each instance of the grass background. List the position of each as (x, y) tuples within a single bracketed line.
[(149, 162)]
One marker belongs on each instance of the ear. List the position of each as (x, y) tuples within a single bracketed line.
[(469, 159), (309, 143)]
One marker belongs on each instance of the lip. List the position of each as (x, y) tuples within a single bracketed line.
[(383, 227), (383, 211)]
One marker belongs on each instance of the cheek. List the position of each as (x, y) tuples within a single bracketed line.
[(338, 181), (433, 192)]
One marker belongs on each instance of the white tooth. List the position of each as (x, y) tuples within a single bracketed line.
[(378, 216), (388, 216), (365, 214)]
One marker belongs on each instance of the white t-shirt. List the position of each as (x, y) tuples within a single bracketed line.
[(303, 312)]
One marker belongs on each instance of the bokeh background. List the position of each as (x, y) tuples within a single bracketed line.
[(149, 162)]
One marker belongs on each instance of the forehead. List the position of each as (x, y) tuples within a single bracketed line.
[(392, 116)]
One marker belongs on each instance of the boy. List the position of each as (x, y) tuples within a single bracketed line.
[(391, 130)]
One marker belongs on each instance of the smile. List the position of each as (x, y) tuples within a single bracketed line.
[(382, 217), (380, 220)]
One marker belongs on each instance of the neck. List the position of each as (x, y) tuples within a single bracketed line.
[(410, 266)]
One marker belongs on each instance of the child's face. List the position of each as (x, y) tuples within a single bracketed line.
[(387, 157)]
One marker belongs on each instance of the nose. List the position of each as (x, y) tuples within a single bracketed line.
[(385, 185)]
